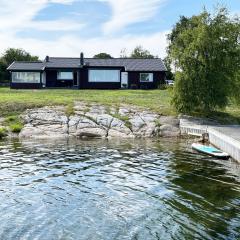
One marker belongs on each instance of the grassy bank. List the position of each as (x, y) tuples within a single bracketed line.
[(13, 102)]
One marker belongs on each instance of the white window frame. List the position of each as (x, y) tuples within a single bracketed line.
[(150, 77), (25, 77), (104, 76), (59, 77)]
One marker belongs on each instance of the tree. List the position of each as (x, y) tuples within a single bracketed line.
[(103, 56), (169, 73), (11, 55), (15, 54), (139, 52), (205, 50), (123, 53)]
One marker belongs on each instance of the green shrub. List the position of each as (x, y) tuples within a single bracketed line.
[(11, 119), (3, 132), (69, 111), (16, 127), (163, 86)]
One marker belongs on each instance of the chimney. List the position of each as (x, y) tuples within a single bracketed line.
[(81, 59), (47, 59)]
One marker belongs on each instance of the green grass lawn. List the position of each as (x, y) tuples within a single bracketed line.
[(16, 101), (13, 102)]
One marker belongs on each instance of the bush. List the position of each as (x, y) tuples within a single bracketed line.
[(11, 119), (3, 132), (16, 127), (69, 111)]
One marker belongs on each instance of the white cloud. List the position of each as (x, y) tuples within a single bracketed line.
[(126, 12), (71, 46), (16, 15), (55, 25)]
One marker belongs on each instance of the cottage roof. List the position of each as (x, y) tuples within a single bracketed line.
[(129, 64)]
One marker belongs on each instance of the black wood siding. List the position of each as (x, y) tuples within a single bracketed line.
[(26, 85), (135, 83), (133, 79)]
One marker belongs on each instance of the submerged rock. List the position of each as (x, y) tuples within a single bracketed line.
[(97, 121)]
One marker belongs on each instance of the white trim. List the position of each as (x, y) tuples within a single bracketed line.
[(10, 65)]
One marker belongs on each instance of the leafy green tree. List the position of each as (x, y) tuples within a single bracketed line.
[(11, 55), (205, 50), (15, 54), (103, 56), (140, 52), (169, 74)]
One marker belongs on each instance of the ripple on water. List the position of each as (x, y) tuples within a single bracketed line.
[(121, 190)]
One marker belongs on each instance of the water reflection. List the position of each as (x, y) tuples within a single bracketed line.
[(116, 190)]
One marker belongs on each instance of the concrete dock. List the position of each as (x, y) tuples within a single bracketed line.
[(226, 138)]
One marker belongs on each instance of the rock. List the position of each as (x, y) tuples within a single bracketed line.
[(96, 109), (2, 120), (45, 123), (82, 126), (144, 124), (169, 121), (169, 131), (44, 131), (91, 133), (104, 120), (45, 116), (114, 134), (137, 123), (148, 117), (96, 121), (123, 111)]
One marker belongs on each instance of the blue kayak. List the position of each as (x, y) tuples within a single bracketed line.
[(211, 151)]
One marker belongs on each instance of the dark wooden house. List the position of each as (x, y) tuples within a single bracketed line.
[(88, 73)]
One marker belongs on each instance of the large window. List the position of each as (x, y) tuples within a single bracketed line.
[(26, 77), (65, 76), (146, 77), (104, 76)]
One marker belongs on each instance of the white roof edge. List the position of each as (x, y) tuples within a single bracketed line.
[(10, 65)]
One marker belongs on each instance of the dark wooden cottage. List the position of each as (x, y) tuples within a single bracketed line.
[(88, 73)]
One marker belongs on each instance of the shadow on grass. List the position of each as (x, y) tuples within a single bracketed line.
[(219, 117)]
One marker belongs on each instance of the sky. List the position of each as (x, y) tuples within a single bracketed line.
[(64, 28)]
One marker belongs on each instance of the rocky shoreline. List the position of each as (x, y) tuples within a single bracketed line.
[(96, 121)]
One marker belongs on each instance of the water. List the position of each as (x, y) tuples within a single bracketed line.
[(116, 190)]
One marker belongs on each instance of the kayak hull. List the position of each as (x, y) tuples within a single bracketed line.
[(211, 151)]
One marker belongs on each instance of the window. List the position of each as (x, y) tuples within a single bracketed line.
[(65, 75), (26, 77), (146, 77), (104, 76)]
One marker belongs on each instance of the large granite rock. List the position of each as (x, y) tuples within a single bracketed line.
[(45, 123), (97, 121)]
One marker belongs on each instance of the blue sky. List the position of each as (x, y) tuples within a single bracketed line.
[(66, 27)]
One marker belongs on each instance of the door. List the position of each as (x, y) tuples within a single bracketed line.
[(124, 80)]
